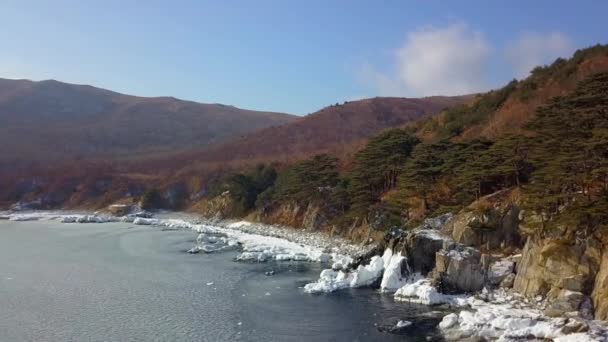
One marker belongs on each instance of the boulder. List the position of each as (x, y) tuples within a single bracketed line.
[(421, 248), (575, 325), (499, 270), (507, 283), (459, 269)]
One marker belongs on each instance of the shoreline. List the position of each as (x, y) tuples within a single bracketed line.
[(497, 314)]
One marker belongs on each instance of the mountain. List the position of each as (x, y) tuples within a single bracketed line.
[(334, 129), (54, 121)]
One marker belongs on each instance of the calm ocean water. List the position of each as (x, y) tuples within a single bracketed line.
[(120, 282)]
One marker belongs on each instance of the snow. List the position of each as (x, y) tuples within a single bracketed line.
[(24, 217), (448, 321), (507, 317), (239, 224), (392, 279), (63, 217), (402, 324), (257, 242), (340, 261), (146, 221), (576, 337), (433, 234), (368, 274), (87, 219), (331, 280), (421, 291)]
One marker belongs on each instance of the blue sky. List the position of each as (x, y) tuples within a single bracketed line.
[(291, 56)]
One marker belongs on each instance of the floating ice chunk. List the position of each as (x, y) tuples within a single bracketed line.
[(210, 283), (402, 324)]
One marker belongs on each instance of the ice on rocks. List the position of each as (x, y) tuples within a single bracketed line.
[(392, 278), (145, 221), (258, 242), (340, 261), (239, 224), (87, 219), (507, 319), (331, 280), (448, 321), (368, 274), (423, 292)]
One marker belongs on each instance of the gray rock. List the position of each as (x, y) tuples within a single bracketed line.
[(459, 269), (507, 283), (563, 301)]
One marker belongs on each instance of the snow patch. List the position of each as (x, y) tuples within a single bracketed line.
[(507, 317), (392, 278), (421, 291), (239, 224), (331, 280)]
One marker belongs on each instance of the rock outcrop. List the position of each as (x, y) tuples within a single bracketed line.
[(459, 269), (573, 276), (548, 264), (421, 248), (600, 289), (492, 221)]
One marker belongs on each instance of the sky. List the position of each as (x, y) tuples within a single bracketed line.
[(287, 55)]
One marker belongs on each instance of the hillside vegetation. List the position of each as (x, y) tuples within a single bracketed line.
[(558, 159)]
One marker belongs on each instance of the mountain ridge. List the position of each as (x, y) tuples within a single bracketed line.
[(52, 115)]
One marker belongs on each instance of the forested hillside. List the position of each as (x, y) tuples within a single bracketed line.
[(557, 159)]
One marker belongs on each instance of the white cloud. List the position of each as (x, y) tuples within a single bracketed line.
[(434, 61), (532, 49)]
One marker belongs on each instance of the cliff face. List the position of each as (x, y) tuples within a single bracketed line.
[(562, 270)]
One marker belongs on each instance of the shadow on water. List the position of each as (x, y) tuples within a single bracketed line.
[(275, 308)]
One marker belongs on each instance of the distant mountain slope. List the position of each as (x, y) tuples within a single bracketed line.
[(332, 129), (55, 121)]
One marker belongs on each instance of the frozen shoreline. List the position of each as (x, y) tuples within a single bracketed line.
[(258, 242), (497, 315)]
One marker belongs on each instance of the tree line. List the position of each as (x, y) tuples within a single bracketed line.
[(560, 163)]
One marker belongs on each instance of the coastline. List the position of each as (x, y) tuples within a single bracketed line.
[(498, 315)]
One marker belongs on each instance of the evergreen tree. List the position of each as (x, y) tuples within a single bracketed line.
[(378, 165)]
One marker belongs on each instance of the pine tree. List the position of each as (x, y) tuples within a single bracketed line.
[(377, 166)]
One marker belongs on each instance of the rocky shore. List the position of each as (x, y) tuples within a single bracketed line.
[(541, 291)]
